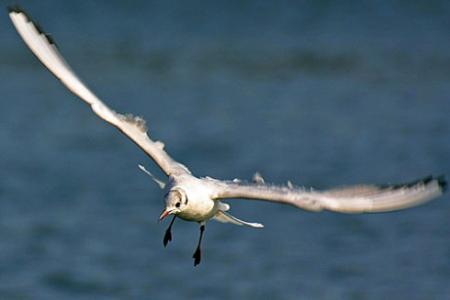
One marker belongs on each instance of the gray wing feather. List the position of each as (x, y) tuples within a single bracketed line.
[(134, 127), (356, 199)]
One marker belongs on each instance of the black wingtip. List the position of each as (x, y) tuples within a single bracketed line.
[(426, 180), (19, 10), (16, 9), (442, 183), (12, 8)]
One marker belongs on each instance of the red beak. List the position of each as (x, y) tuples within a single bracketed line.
[(164, 214)]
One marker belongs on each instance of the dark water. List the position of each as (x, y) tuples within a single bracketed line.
[(316, 92)]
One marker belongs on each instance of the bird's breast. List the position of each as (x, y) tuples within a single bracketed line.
[(199, 210), (200, 206)]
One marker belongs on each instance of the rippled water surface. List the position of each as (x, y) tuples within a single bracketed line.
[(318, 93)]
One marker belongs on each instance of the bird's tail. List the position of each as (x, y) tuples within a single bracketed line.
[(224, 217)]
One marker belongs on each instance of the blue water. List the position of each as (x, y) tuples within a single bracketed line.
[(315, 92)]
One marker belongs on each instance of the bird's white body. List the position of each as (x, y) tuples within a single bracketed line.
[(200, 206), (199, 199), (202, 203)]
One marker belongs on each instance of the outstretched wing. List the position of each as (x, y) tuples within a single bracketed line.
[(356, 199), (43, 46)]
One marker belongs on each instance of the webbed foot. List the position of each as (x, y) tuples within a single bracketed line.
[(167, 237), (197, 256)]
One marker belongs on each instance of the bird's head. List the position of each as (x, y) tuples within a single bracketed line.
[(176, 202)]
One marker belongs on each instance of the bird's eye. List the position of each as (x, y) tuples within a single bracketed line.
[(177, 205)]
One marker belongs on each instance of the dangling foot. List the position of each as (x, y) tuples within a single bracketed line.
[(168, 234), (167, 237), (198, 252), (197, 256)]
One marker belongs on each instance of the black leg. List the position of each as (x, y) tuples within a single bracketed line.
[(198, 253), (168, 235)]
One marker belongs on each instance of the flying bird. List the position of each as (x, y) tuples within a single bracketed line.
[(200, 199)]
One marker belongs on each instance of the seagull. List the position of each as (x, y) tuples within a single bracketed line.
[(199, 199)]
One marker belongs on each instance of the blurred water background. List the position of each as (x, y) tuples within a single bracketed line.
[(321, 93)]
